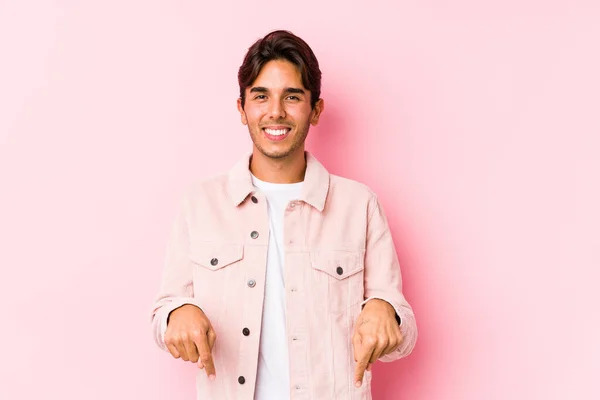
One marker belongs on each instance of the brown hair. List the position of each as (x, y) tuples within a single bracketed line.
[(281, 45)]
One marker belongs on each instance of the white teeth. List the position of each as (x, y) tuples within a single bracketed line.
[(276, 132)]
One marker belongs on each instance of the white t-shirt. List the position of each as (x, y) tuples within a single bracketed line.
[(273, 377)]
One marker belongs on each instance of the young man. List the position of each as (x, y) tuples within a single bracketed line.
[(281, 280)]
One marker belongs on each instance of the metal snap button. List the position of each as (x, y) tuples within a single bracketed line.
[(340, 270), (214, 262)]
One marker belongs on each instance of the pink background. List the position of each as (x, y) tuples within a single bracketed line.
[(477, 123)]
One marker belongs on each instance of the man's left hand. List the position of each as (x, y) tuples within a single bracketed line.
[(376, 333)]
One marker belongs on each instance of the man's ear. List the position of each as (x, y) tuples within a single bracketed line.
[(242, 112), (317, 110)]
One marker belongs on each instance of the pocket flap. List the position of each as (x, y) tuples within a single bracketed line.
[(216, 255), (338, 264)]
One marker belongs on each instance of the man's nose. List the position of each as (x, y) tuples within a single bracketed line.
[(276, 110)]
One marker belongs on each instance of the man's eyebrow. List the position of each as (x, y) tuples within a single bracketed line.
[(294, 90), (261, 89), (258, 89)]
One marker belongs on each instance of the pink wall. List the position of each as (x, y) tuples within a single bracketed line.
[(476, 124)]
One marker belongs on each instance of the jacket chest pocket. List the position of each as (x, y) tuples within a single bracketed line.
[(343, 273), (215, 268), (215, 256)]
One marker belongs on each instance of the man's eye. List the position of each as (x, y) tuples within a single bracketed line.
[(261, 97), (293, 98)]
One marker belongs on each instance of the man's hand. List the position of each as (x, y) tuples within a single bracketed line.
[(376, 334), (191, 336)]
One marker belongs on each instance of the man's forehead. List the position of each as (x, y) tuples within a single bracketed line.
[(278, 75)]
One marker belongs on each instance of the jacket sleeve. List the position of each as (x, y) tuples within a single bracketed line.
[(176, 286), (383, 279)]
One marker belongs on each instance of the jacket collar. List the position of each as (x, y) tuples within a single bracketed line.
[(314, 189)]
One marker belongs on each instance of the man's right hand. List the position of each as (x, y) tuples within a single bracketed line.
[(191, 336)]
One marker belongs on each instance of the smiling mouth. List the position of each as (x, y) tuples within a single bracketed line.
[(276, 132)]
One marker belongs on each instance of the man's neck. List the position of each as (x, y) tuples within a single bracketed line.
[(290, 169)]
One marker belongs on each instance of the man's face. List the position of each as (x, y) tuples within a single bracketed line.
[(277, 110)]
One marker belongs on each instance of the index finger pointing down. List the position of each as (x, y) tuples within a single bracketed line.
[(363, 355), (204, 352)]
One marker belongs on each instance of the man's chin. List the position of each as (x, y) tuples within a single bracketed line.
[(275, 154), (276, 151)]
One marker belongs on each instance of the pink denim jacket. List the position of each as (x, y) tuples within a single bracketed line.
[(339, 254)]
